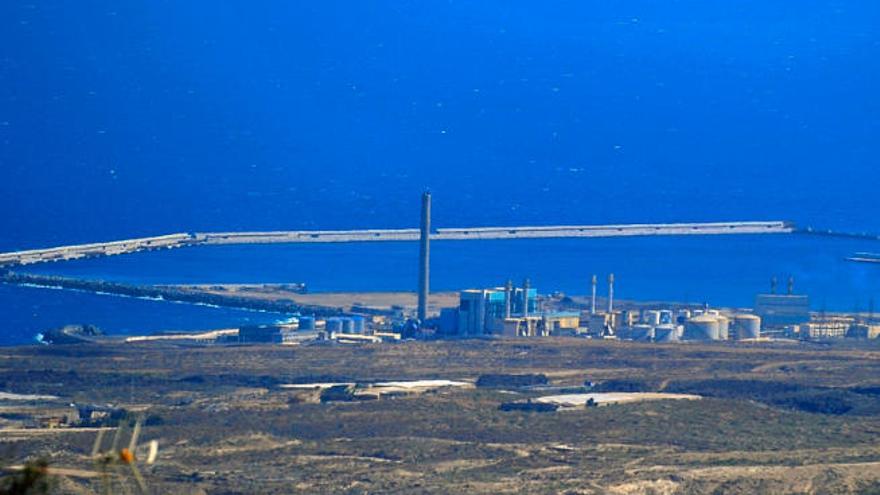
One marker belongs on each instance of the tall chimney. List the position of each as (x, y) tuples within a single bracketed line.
[(593, 282), (773, 284), (424, 257), (610, 293), (526, 286), (508, 298), (790, 286)]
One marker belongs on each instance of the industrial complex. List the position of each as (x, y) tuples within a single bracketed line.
[(506, 310)]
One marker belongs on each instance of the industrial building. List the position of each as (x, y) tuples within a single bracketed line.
[(780, 310), (508, 310), (825, 328)]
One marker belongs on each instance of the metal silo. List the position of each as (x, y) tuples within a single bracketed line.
[(359, 324), (703, 327), (347, 325), (334, 324), (747, 326)]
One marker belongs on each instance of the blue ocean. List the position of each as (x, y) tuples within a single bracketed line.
[(140, 118)]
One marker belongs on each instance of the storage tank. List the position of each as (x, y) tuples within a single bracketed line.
[(642, 332), (651, 317), (747, 326), (723, 327), (666, 317), (347, 325), (703, 327), (665, 333), (307, 323), (682, 316), (360, 325), (334, 324)]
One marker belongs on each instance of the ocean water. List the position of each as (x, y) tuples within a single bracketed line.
[(126, 119), (719, 270), (28, 311)]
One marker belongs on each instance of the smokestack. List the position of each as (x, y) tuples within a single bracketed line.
[(610, 293), (526, 286), (508, 298), (773, 284), (594, 283), (790, 286), (424, 257)]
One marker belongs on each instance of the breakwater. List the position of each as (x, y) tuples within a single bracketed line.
[(166, 293)]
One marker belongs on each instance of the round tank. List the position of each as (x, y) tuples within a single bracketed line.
[(642, 332), (334, 325), (665, 333), (666, 317), (723, 327), (347, 325), (359, 324), (307, 323), (651, 317), (703, 327), (747, 326)]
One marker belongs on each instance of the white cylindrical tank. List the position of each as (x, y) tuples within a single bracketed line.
[(347, 325), (682, 316), (651, 317), (642, 332), (665, 333), (747, 326), (703, 327), (723, 327)]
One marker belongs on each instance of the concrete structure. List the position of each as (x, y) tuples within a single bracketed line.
[(424, 257), (377, 235), (593, 283), (778, 310), (611, 293), (508, 299)]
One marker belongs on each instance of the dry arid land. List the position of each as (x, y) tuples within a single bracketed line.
[(795, 418)]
